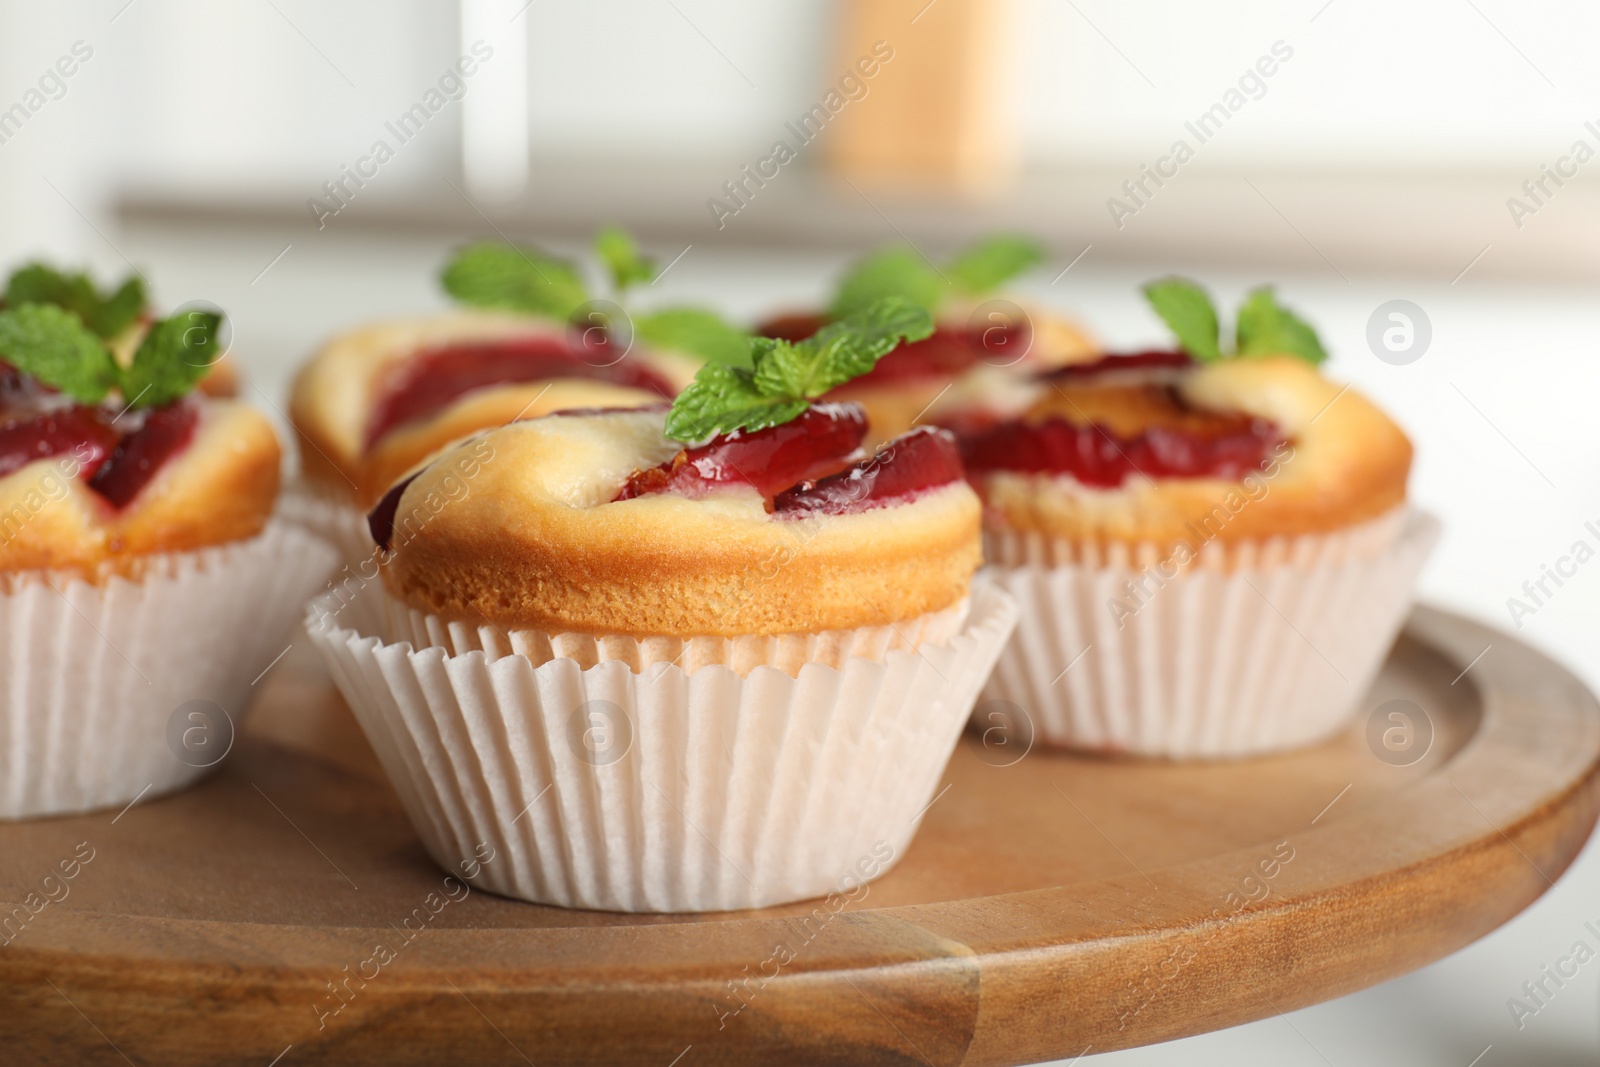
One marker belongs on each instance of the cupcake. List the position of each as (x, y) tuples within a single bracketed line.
[(142, 586), (379, 399), (974, 327), (693, 659), (1212, 550)]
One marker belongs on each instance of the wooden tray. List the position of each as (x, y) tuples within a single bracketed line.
[(1051, 907)]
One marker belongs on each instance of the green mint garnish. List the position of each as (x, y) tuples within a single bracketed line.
[(722, 399), (616, 249), (974, 271), (1264, 327), (989, 264), (523, 279), (891, 272), (784, 378), (54, 346), (696, 332), (693, 331), (172, 358), (514, 278), (1188, 312), (106, 315), (119, 310)]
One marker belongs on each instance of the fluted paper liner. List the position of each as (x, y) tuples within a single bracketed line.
[(332, 516), (1255, 648), (95, 671), (787, 652), (660, 790)]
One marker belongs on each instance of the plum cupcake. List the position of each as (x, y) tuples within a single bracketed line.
[(1212, 551), (379, 399), (692, 659), (142, 585), (975, 326)]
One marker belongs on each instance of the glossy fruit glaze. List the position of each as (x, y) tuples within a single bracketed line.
[(809, 466), (430, 381), (818, 443), (116, 452), (140, 455), (911, 464), (1084, 427), (1095, 456)]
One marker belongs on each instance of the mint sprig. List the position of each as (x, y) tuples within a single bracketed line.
[(119, 310), (106, 314), (615, 248), (984, 267), (785, 377), (511, 277), (722, 399), (524, 279), (976, 270), (1188, 312), (172, 358), (890, 272), (695, 331), (1264, 327), (54, 346)]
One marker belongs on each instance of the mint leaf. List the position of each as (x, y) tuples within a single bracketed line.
[(514, 277), (172, 358), (1188, 312), (840, 350), (722, 399), (985, 266), (900, 272), (119, 310), (54, 346), (107, 316), (616, 249), (787, 377), (39, 283), (1267, 328), (696, 332), (781, 368)]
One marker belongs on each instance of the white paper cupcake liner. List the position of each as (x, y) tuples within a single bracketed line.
[(661, 790), (332, 516), (97, 674), (399, 622), (1255, 648)]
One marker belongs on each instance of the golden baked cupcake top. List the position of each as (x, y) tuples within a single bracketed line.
[(107, 452), (379, 399), (975, 326), (1143, 446), (747, 509)]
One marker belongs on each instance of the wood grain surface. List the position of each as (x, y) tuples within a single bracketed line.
[(1050, 904)]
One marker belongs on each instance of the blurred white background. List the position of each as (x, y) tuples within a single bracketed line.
[(1393, 135), (1376, 165)]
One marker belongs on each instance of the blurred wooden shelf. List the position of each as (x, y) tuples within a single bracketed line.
[(1337, 224)]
